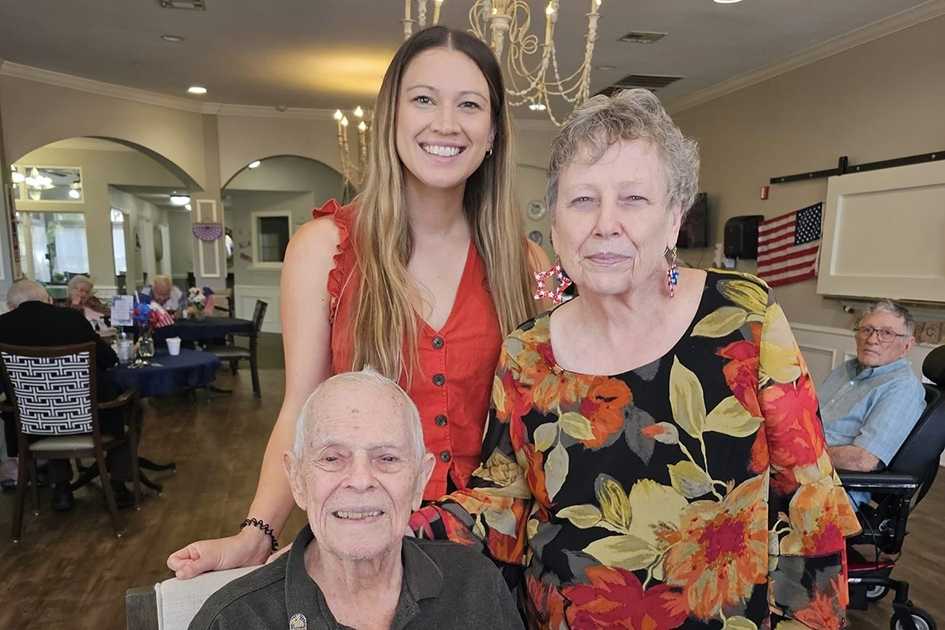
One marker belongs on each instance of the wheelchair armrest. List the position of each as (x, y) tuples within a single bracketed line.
[(125, 398), (884, 482)]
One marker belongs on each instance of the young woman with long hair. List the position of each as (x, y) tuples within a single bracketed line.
[(420, 277)]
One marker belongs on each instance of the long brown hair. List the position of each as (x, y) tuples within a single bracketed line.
[(385, 321)]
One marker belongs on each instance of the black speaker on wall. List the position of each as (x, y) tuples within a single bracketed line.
[(741, 236)]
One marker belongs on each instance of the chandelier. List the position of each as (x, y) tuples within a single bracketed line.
[(531, 66), (353, 169)]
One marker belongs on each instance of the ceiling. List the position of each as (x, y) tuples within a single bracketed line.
[(328, 54)]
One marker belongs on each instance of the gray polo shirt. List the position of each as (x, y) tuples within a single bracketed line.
[(873, 408), (445, 585)]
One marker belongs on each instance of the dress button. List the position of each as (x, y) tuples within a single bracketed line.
[(439, 379), (445, 456), (437, 342), (440, 420)]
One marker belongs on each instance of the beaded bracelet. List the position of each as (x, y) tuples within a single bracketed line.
[(266, 529)]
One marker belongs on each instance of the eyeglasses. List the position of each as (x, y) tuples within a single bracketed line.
[(885, 335)]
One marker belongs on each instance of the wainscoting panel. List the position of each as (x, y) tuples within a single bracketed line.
[(246, 296)]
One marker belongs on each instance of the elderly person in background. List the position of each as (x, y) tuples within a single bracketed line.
[(358, 467), (33, 321), (870, 404), (654, 455), (82, 298), (163, 291)]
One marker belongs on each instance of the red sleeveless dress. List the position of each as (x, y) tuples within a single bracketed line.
[(457, 362)]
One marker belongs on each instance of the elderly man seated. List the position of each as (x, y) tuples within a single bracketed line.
[(358, 468), (163, 291), (871, 403)]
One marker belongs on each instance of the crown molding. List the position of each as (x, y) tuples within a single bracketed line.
[(91, 86), (262, 111), (928, 10)]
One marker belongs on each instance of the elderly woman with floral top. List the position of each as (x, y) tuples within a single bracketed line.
[(654, 457)]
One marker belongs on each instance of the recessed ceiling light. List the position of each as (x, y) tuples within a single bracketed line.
[(174, 39), (254, 164), (74, 194), (180, 200), (727, 1), (605, 68), (196, 89)]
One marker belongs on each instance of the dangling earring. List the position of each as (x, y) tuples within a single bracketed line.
[(672, 274), (557, 275)]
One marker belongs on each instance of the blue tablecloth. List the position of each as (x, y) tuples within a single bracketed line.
[(205, 329), (191, 368)]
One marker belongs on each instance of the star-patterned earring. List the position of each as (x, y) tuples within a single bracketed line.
[(555, 275)]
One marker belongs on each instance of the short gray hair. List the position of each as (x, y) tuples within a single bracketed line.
[(26, 290), (888, 306), (162, 278), (75, 281), (366, 376), (634, 114)]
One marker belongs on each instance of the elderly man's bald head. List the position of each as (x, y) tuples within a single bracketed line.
[(347, 389), (26, 290)]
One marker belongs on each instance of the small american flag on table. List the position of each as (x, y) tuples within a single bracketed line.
[(788, 246)]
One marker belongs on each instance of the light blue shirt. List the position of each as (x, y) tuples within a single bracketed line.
[(874, 408)]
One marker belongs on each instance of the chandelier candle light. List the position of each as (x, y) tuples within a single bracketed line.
[(505, 24), (349, 171)]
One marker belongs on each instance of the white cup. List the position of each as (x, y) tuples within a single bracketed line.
[(173, 346)]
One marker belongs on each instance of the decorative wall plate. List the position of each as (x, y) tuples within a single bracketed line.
[(208, 231), (536, 210)]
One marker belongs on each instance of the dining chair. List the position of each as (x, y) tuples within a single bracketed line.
[(234, 353), (52, 391)]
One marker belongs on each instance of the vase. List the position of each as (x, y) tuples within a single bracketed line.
[(146, 345)]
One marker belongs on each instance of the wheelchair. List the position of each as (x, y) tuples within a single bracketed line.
[(895, 492)]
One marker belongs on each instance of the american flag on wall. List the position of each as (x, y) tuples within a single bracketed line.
[(788, 245)]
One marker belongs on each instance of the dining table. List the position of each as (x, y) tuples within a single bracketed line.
[(162, 375), (205, 329)]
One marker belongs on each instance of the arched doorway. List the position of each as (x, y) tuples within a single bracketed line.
[(265, 203), (100, 207)]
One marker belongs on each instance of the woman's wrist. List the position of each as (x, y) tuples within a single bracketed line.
[(259, 542)]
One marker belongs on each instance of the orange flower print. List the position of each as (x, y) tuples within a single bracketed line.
[(616, 599), (794, 432), (722, 551), (821, 517), (826, 609), (603, 406), (545, 603), (741, 373), (535, 474)]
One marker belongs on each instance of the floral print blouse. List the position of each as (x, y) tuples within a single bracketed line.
[(692, 492)]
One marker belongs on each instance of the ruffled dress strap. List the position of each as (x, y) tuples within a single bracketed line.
[(341, 274)]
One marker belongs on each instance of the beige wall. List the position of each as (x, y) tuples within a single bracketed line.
[(881, 100), (35, 114), (100, 170)]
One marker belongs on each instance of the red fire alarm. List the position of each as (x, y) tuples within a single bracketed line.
[(764, 193)]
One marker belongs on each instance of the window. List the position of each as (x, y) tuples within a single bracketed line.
[(118, 241), (53, 245), (271, 231), (62, 184)]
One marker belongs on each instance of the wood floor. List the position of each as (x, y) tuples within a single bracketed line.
[(69, 571)]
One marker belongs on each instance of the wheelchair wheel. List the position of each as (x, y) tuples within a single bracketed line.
[(876, 593), (921, 619)]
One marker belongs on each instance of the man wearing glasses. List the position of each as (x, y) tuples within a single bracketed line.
[(870, 404)]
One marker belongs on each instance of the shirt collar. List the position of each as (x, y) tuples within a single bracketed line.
[(879, 369), (423, 579)]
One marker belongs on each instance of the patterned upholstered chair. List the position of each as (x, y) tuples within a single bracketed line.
[(55, 407)]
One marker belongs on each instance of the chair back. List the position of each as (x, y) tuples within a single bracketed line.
[(920, 453), (52, 387), (259, 314)]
